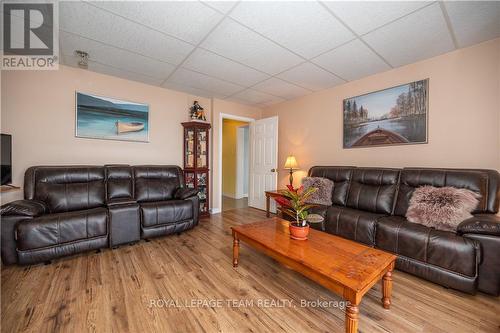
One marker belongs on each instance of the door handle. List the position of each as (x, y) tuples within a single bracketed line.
[(273, 170)]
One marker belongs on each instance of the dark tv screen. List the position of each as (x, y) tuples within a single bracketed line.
[(6, 158)]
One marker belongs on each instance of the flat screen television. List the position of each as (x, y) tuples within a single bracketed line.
[(6, 158)]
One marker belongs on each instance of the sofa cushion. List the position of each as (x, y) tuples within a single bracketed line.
[(65, 189), (475, 180), (373, 189), (442, 208), (60, 228), (323, 193), (156, 183), (340, 176), (435, 247), (353, 224), (165, 212)]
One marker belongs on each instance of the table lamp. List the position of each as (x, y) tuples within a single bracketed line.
[(291, 164)]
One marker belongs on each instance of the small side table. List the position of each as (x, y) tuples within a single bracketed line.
[(269, 195), (9, 188)]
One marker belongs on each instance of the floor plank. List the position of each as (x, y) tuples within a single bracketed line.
[(134, 288), (229, 203)]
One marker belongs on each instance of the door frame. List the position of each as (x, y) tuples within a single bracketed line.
[(223, 116), (240, 160)]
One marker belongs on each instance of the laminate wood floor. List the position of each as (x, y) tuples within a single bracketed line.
[(187, 283), (230, 203)]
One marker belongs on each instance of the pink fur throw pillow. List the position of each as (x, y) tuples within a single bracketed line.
[(442, 208), (323, 196)]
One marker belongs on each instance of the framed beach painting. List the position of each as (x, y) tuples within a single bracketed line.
[(108, 118), (393, 116)]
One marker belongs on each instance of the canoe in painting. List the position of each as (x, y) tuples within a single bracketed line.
[(379, 136), (128, 127)]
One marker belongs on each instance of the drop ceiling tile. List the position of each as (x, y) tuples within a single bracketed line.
[(189, 78), (418, 36), (303, 27), (219, 67), (187, 20), (221, 6), (310, 76), (364, 16), (281, 88), (189, 90), (475, 21), (253, 97), (236, 42), (114, 57), (268, 104), (94, 23), (352, 61), (108, 70)]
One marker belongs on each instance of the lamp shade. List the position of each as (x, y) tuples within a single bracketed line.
[(291, 163)]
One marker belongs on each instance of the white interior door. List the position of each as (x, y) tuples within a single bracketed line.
[(263, 161)]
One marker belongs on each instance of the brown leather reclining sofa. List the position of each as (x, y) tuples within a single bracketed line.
[(370, 204), (73, 209)]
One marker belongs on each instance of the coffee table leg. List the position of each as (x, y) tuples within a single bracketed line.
[(387, 289), (236, 250), (351, 318)]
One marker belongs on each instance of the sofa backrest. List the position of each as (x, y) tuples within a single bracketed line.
[(341, 177), (373, 189), (119, 181), (156, 183), (65, 188), (483, 182)]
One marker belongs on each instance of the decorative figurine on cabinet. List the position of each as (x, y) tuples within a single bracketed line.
[(197, 112)]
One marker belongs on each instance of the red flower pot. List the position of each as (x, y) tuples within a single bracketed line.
[(298, 233)]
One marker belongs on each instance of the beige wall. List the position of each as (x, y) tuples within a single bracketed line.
[(229, 108), (38, 109), (464, 109), (229, 149)]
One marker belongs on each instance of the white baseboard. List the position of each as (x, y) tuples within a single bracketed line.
[(215, 210)]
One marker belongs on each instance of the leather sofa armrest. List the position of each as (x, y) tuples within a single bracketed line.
[(484, 224), (184, 193), (120, 201), (29, 208)]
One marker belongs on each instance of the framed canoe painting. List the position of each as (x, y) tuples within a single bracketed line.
[(393, 116), (108, 118)]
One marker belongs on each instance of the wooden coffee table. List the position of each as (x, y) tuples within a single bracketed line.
[(347, 268)]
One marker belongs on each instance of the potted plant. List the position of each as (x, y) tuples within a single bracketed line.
[(292, 202)]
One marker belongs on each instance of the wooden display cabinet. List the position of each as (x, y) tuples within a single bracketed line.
[(196, 161)]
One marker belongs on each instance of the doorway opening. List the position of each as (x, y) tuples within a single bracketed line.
[(235, 163)]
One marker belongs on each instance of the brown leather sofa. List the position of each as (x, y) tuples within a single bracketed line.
[(370, 204), (73, 209)]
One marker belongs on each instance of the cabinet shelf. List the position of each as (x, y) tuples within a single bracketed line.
[(196, 161)]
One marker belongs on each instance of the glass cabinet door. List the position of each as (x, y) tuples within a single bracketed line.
[(189, 179), (189, 144), (201, 182), (196, 161), (202, 148)]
